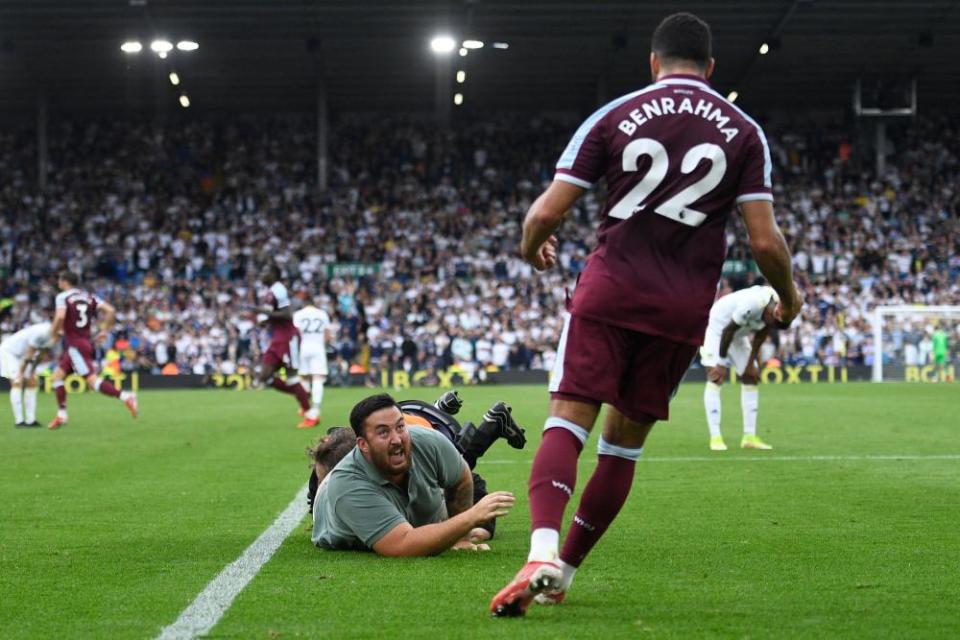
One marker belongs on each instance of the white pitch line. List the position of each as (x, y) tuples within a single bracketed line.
[(760, 457), (214, 601)]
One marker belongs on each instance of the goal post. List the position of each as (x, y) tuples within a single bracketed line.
[(881, 313)]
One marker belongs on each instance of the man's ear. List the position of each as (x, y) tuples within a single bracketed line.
[(363, 445)]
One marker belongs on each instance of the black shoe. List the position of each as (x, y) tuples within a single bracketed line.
[(501, 415), (19, 425), (449, 402), (31, 424)]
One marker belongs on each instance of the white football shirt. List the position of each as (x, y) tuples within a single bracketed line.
[(33, 336), (313, 324), (744, 307)]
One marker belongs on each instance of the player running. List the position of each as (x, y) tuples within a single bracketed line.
[(315, 330), (727, 343), (18, 359), (677, 157), (284, 349), (76, 313)]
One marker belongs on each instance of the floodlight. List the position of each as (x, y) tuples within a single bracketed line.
[(184, 101), (463, 52), (442, 44), (161, 46), (174, 78), (764, 48), (461, 76), (458, 99), (500, 45), (187, 45), (472, 44), (131, 46), (732, 96)]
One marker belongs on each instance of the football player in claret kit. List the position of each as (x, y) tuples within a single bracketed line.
[(677, 158), (284, 349), (727, 343), (75, 316), (18, 359)]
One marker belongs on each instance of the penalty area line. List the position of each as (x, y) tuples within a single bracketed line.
[(775, 458), (208, 607)]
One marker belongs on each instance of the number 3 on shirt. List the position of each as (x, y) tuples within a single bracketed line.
[(677, 207), (82, 311)]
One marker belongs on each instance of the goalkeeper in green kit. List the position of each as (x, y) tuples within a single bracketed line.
[(941, 350)]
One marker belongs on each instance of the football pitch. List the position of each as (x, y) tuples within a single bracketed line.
[(849, 528)]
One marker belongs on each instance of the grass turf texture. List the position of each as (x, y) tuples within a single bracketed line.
[(111, 527)]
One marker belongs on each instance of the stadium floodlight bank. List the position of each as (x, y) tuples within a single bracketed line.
[(902, 311)]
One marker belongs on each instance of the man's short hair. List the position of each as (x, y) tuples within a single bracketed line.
[(70, 278), (368, 406), (331, 448), (682, 37)]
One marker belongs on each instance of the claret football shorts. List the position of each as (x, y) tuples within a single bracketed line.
[(635, 372)]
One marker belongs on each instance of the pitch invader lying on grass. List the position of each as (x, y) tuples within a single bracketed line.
[(677, 158), (284, 349), (727, 343), (401, 482), (74, 317), (18, 359)]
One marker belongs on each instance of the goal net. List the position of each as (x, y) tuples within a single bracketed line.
[(916, 339)]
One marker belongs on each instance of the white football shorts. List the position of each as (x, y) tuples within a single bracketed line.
[(9, 365), (313, 363)]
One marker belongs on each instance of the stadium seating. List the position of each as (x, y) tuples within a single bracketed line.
[(413, 248)]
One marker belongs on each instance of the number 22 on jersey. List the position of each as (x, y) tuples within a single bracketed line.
[(677, 207)]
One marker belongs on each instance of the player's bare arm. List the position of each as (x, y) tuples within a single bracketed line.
[(538, 246), (109, 319), (758, 340), (30, 358), (751, 374), (727, 337), (406, 541), (772, 255), (56, 327), (271, 314)]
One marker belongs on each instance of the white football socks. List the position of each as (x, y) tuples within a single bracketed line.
[(16, 401), (749, 402), (316, 393), (711, 402), (544, 545), (30, 404), (568, 572)]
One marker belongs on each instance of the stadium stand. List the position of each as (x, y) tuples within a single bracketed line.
[(413, 248)]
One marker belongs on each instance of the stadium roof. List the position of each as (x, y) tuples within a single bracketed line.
[(374, 54)]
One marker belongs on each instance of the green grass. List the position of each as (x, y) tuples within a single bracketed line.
[(111, 527)]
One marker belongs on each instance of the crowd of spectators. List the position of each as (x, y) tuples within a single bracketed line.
[(413, 247)]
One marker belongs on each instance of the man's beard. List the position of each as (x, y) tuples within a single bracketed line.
[(395, 460)]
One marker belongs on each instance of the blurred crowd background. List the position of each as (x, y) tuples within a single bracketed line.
[(413, 248)]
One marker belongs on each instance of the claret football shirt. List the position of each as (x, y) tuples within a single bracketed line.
[(677, 157)]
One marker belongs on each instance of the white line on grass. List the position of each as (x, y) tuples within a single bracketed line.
[(775, 458), (210, 605)]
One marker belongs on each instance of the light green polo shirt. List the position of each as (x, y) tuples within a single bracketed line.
[(356, 506)]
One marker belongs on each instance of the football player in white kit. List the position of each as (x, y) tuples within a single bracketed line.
[(316, 332), (727, 343), (18, 359)]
